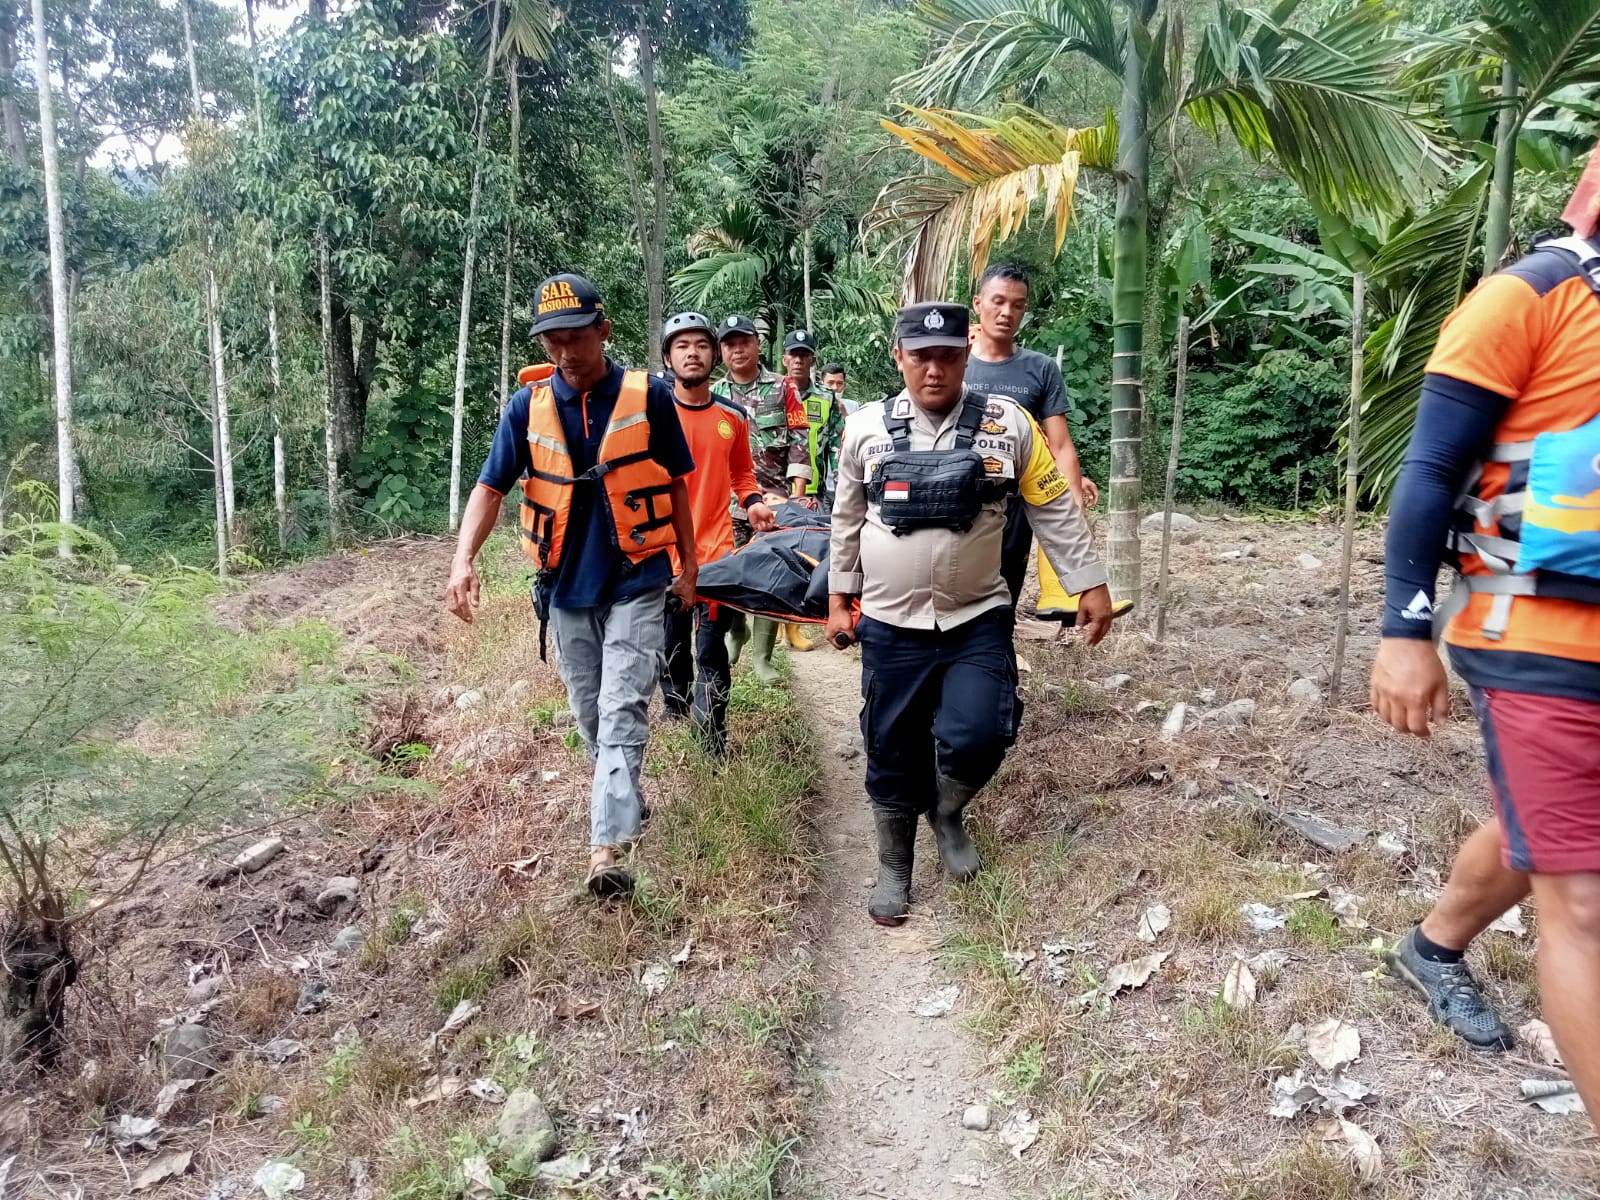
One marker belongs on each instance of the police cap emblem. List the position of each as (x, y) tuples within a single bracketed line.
[(933, 320)]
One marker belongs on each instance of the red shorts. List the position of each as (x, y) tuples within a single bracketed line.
[(1544, 762)]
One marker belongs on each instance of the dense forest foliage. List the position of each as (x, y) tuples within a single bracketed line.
[(298, 245)]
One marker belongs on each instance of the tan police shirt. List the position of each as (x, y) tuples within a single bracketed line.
[(939, 578)]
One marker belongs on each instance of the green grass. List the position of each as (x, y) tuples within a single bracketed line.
[(1314, 924), (746, 1173), (1025, 1071)]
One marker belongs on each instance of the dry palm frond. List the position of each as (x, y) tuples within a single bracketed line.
[(995, 168)]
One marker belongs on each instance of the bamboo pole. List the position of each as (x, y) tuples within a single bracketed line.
[(1172, 475), (1352, 479)]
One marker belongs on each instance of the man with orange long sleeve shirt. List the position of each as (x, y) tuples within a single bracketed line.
[(718, 433)]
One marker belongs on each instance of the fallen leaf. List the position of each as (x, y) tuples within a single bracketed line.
[(939, 1003), (1268, 962), (463, 1012), (167, 1165), (522, 866), (279, 1050), (1020, 1131), (1536, 1036), (1239, 985), (1333, 1043), (487, 1090), (1559, 1096), (478, 1180), (632, 1126), (1312, 894), (141, 1132), (1295, 1094), (1133, 974), (169, 1093), (1359, 1147), (435, 1090), (1510, 922), (574, 1010), (1018, 960), (653, 979), (1262, 917), (566, 1171), (682, 956), (277, 1178), (1154, 922), (1345, 906)]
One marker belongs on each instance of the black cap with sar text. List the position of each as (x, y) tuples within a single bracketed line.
[(800, 339), (935, 324), (565, 302)]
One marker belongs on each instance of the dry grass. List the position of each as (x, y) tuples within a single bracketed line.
[(470, 889), (1098, 817)]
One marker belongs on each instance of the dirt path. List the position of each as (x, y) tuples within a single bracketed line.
[(894, 1085)]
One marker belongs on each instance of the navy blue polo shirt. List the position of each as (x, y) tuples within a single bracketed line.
[(593, 572)]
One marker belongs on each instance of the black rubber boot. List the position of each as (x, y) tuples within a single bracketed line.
[(956, 851), (897, 839)]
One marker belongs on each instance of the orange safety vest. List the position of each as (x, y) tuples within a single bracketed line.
[(636, 486)]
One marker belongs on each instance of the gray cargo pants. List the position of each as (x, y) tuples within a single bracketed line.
[(610, 659)]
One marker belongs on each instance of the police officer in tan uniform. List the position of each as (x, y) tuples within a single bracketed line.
[(918, 525)]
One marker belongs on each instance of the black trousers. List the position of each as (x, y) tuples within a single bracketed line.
[(696, 678), (1016, 548), (936, 702)]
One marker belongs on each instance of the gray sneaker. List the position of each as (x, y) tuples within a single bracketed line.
[(1453, 996)]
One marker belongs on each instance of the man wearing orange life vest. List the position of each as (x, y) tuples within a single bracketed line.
[(1518, 361), (601, 460)]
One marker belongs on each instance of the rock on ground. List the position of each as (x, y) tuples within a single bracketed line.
[(1305, 691), (1239, 712), (527, 1134)]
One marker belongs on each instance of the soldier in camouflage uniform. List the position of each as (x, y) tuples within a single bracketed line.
[(824, 413), (779, 446)]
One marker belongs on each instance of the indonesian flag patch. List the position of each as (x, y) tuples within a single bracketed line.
[(896, 491)]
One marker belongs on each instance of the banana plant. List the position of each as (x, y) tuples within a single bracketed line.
[(1325, 104)]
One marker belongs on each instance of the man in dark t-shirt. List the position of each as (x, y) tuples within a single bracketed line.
[(998, 366)]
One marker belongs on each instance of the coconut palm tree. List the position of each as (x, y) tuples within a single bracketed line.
[(1325, 105)]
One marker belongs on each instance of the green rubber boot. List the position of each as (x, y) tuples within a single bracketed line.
[(890, 902), (763, 634), (738, 634), (956, 851)]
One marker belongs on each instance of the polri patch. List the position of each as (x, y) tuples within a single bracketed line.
[(994, 410), (992, 427)]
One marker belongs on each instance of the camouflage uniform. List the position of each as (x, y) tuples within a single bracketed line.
[(778, 439)]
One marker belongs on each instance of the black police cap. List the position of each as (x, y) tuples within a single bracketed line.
[(935, 324), (800, 339)]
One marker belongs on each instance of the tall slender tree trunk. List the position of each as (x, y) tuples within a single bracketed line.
[(1129, 255), (641, 213), (805, 275), (60, 316), (218, 501), (464, 330), (10, 110), (507, 300), (280, 473), (1497, 221), (214, 340), (655, 261), (330, 410)]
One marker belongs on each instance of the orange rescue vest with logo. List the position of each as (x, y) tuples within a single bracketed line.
[(636, 487)]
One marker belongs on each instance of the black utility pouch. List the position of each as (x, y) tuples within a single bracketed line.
[(929, 489)]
